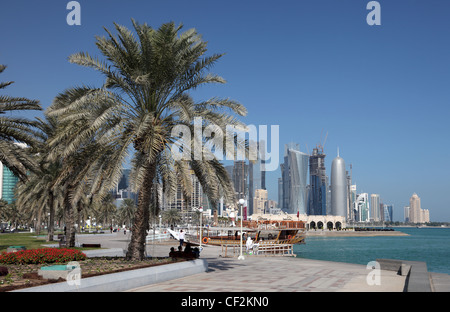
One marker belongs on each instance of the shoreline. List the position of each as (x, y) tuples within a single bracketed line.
[(327, 233)]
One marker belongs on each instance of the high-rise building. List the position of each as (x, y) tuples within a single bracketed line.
[(178, 200), (339, 187), (353, 207), (317, 201), (406, 213), (293, 185), (375, 207), (8, 183), (8, 180), (414, 209), (425, 215), (416, 213), (256, 175), (298, 174), (362, 207), (388, 213), (280, 192), (260, 201), (240, 179)]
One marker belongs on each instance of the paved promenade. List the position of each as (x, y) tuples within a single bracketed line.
[(276, 274), (259, 274)]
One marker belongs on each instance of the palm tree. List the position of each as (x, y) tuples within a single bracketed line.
[(15, 130), (171, 217), (40, 193), (144, 96), (125, 213)]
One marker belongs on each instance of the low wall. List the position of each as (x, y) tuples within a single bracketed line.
[(416, 272), (123, 281)]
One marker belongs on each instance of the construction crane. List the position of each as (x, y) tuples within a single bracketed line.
[(321, 146)]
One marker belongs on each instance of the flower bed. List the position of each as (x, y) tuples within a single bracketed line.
[(41, 256), (25, 275)]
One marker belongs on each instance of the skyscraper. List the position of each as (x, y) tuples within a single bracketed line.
[(388, 213), (414, 209), (338, 187), (375, 207), (285, 177), (362, 207), (260, 201), (280, 192), (240, 179), (8, 182), (317, 201), (406, 213), (293, 194), (298, 169), (416, 213), (353, 207)]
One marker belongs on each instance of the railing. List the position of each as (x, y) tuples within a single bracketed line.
[(274, 250), (157, 237)]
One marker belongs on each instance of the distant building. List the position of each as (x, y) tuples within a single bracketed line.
[(298, 175), (260, 201), (178, 200), (317, 201), (280, 192), (362, 207), (416, 213), (375, 207), (353, 208), (388, 213), (406, 213), (8, 183), (339, 188), (240, 179)]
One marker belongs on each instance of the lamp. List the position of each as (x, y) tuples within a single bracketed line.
[(241, 202)]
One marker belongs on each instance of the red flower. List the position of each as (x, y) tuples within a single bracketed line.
[(43, 255)]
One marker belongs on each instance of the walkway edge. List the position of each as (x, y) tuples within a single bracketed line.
[(123, 281)]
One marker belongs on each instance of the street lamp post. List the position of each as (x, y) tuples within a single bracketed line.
[(160, 231), (241, 202), (201, 213)]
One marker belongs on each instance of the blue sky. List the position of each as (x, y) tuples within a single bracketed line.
[(312, 67)]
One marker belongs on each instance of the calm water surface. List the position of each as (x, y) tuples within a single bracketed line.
[(431, 245)]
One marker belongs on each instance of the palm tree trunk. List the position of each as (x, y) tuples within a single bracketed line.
[(38, 224), (51, 221), (79, 208), (136, 248), (69, 219)]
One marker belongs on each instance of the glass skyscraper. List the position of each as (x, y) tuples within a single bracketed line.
[(388, 212), (9, 181), (362, 204), (317, 199), (298, 169)]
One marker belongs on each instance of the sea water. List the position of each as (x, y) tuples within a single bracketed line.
[(430, 245)]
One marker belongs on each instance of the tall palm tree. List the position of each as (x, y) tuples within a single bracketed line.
[(126, 211), (15, 130), (144, 96), (40, 193), (171, 217)]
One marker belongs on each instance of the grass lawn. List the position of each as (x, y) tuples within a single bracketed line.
[(28, 240)]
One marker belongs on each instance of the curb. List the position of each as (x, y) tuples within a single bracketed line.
[(123, 281)]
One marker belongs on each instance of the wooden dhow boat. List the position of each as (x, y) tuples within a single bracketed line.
[(268, 237)]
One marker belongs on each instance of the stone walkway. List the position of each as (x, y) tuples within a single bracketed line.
[(265, 274), (278, 274)]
